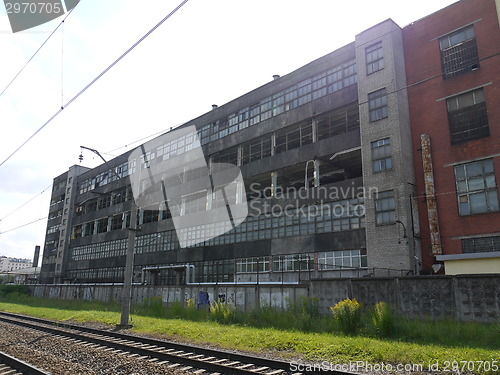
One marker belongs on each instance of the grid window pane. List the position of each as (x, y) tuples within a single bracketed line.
[(476, 187)]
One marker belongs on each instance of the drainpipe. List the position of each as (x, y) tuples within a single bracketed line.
[(430, 193)]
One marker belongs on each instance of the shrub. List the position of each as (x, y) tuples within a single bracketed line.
[(221, 312), (6, 290), (383, 319), (347, 314)]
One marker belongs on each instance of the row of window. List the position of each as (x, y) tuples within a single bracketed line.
[(325, 126), (224, 270), (108, 274), (107, 177), (330, 217), (310, 89), (99, 250), (110, 199), (326, 260), (481, 244), (322, 84)]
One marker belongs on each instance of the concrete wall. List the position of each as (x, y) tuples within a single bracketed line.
[(466, 297)]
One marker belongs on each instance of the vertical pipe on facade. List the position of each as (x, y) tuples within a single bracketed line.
[(430, 193)]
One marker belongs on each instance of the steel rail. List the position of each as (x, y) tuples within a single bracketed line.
[(220, 361), (21, 367)]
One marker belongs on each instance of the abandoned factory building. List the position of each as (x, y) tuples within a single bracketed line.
[(333, 163)]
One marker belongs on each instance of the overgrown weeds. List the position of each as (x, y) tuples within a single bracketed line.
[(347, 314), (378, 322)]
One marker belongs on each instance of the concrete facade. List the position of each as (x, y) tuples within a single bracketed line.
[(298, 134)]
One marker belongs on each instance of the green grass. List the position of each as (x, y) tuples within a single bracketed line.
[(415, 341)]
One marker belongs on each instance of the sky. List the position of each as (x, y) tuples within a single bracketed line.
[(209, 52)]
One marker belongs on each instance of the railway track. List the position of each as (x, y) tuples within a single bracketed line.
[(191, 358), (13, 366)]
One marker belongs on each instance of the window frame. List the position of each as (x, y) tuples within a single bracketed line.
[(471, 117), (383, 161), (382, 209), (374, 56), (464, 178), (377, 105)]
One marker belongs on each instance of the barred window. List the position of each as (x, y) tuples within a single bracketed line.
[(481, 244), (374, 58), (385, 212), (459, 52), (381, 155), (467, 117), (377, 105), (476, 187)]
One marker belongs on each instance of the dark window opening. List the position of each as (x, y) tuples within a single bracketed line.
[(467, 117), (481, 244), (459, 52)]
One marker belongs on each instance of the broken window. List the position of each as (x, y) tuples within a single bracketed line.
[(459, 52), (256, 150), (338, 122), (102, 225), (117, 222), (294, 137)]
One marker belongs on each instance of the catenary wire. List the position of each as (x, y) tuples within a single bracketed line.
[(38, 50), (25, 203), (106, 153), (95, 80), (23, 225)]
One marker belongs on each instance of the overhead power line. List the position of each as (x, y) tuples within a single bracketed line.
[(25, 203), (38, 50), (23, 225), (95, 79)]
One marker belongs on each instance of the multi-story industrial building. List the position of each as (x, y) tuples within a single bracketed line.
[(453, 59), (326, 158)]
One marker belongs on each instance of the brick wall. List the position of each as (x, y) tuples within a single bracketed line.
[(427, 92)]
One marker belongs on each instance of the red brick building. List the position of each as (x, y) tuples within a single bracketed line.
[(452, 62)]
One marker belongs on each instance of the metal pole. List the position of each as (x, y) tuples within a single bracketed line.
[(129, 267)]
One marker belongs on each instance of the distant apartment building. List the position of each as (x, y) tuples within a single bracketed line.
[(338, 137), (13, 264), (452, 69)]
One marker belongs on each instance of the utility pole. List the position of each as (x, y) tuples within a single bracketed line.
[(129, 269), (129, 260)]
